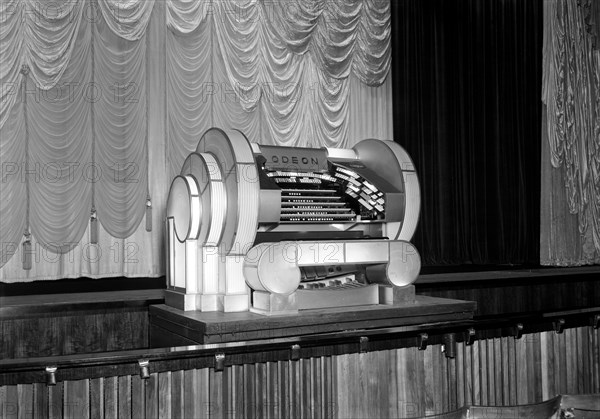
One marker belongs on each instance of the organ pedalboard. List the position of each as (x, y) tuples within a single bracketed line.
[(277, 229)]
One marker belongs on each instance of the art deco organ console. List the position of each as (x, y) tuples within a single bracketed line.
[(275, 229)]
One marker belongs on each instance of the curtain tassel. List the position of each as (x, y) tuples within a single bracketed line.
[(27, 251), (93, 227), (148, 214)]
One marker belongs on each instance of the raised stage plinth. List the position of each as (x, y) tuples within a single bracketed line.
[(172, 327)]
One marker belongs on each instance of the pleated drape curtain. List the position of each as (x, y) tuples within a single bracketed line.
[(101, 100), (570, 216)]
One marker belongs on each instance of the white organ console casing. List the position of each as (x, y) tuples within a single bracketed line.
[(276, 229)]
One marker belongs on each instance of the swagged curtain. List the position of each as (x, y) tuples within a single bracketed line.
[(101, 100), (570, 215)]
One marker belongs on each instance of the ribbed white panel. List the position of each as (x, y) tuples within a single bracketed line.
[(412, 193), (241, 147), (217, 199), (248, 207), (218, 207), (191, 266), (179, 264), (210, 270), (170, 252)]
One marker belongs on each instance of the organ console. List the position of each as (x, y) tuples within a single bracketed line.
[(274, 230)]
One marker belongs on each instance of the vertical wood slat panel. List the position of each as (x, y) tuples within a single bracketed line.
[(596, 359), (40, 401), (55, 396), (177, 395), (284, 382), (164, 394), (498, 378), (215, 387), (11, 402), (151, 396), (124, 395), (25, 401), (505, 360), (391, 383), (138, 396), (249, 391), (483, 371), (97, 398), (111, 388), (76, 399), (191, 395)]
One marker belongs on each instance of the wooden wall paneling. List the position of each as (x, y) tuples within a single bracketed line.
[(177, 394), (96, 398), (11, 402), (151, 396), (138, 397), (164, 394), (341, 376), (40, 401), (547, 360), (477, 378), (235, 399), (534, 369), (499, 372), (589, 360), (452, 381), (521, 366), (111, 397), (5, 407), (79, 332), (204, 384), (320, 382), (350, 390), (332, 386), (404, 382), (258, 402), (467, 351), (484, 370), (595, 360), (441, 378), (283, 394), (219, 392), (571, 359), (581, 357), (191, 395), (398, 382), (505, 367), (460, 374), (430, 384), (76, 399), (560, 379), (55, 397), (415, 401), (249, 391), (273, 392), (304, 387), (124, 395), (25, 401), (512, 360), (388, 388), (261, 402), (315, 384)]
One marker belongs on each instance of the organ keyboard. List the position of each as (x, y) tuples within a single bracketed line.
[(278, 229)]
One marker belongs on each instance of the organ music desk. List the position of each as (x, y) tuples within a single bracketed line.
[(267, 241)]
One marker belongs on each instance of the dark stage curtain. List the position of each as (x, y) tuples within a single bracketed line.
[(467, 78)]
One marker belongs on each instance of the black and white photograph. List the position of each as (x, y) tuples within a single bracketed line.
[(297, 209)]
